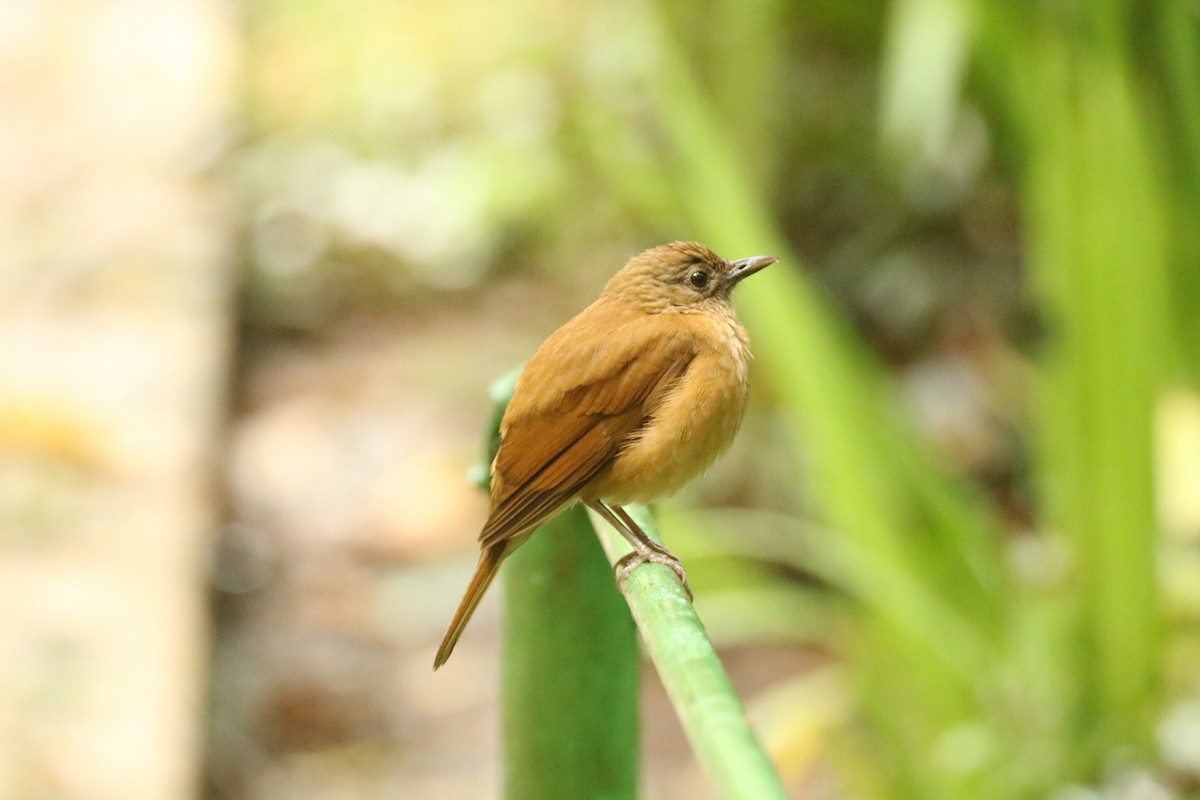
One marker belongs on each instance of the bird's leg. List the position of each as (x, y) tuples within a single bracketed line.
[(636, 530), (645, 549)]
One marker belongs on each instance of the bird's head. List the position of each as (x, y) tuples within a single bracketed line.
[(680, 277)]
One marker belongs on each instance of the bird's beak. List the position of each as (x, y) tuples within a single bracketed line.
[(748, 266)]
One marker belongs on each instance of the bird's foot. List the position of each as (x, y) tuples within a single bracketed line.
[(631, 561)]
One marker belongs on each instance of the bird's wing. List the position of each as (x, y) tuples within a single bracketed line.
[(558, 442)]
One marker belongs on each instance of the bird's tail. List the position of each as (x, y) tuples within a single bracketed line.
[(489, 564)]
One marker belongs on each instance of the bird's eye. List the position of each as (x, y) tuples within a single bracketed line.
[(699, 279)]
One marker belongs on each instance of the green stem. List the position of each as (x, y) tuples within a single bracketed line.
[(710, 711), (571, 668)]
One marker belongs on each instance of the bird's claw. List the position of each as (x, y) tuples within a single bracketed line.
[(631, 561)]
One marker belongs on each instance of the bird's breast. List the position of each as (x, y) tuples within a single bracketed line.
[(695, 422)]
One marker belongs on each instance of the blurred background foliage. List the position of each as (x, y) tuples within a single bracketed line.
[(955, 553)]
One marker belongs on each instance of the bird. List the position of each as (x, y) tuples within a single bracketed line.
[(627, 402)]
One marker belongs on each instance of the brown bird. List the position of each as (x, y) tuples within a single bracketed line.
[(627, 402)]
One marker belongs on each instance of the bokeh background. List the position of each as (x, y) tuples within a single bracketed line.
[(260, 261)]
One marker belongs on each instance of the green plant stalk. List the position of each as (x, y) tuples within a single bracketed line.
[(1179, 45), (1098, 252), (571, 664), (571, 670), (711, 713)]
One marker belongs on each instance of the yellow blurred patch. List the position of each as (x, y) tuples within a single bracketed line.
[(49, 429), (1177, 448)]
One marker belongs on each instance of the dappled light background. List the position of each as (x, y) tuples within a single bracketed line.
[(261, 261)]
